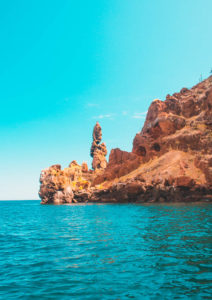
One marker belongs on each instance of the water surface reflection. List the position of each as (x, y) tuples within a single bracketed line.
[(153, 251)]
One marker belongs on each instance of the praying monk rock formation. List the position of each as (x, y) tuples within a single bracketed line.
[(98, 151), (171, 158), (73, 184)]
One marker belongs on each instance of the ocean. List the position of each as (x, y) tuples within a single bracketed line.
[(105, 251)]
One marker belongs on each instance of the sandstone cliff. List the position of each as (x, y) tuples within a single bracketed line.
[(171, 159)]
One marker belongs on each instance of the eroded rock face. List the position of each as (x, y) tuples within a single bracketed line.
[(171, 159), (181, 122), (180, 126), (59, 186), (173, 177), (98, 149), (120, 164)]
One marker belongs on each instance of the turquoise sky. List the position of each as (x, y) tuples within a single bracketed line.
[(66, 64)]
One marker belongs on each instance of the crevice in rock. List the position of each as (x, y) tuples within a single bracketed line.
[(141, 151), (156, 147)]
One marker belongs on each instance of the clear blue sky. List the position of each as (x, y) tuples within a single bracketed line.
[(66, 64)]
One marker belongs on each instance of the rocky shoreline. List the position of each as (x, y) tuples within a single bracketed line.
[(171, 158)]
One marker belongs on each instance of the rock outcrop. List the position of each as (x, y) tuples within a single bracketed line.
[(171, 158), (182, 122), (60, 186), (120, 163), (98, 149)]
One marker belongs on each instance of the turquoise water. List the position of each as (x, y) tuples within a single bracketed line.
[(105, 251)]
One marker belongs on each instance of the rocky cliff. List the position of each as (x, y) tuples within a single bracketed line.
[(171, 159)]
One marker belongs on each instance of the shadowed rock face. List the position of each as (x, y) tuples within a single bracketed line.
[(98, 149), (171, 159)]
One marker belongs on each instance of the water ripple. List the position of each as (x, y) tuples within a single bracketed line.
[(105, 251)]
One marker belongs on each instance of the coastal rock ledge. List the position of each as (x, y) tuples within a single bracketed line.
[(171, 158)]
